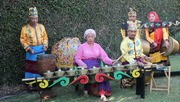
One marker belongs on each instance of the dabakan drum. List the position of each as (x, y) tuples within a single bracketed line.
[(174, 47), (145, 46), (46, 62)]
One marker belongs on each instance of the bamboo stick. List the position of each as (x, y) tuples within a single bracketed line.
[(30, 79), (118, 59), (157, 55)]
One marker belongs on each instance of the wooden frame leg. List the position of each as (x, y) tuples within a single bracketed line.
[(154, 86)]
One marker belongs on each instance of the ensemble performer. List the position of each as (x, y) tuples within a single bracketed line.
[(90, 54), (132, 52), (155, 36), (34, 41)]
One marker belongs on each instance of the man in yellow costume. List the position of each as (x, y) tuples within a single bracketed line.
[(131, 49), (35, 41), (132, 19), (132, 52)]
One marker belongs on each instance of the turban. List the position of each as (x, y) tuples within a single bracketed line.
[(33, 12), (132, 27), (132, 12)]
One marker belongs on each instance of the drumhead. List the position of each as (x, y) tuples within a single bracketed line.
[(46, 56), (145, 46), (174, 47)]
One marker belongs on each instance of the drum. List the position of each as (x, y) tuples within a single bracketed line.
[(65, 50), (46, 62), (174, 47), (179, 46), (145, 46)]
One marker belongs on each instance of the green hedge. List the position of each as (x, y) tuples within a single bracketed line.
[(69, 18)]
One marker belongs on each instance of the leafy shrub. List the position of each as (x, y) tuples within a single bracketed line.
[(70, 18)]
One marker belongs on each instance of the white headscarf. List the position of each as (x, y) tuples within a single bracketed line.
[(89, 31)]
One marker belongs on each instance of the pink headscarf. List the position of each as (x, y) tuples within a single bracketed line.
[(158, 33), (157, 19)]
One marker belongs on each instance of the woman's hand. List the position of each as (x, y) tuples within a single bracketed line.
[(167, 44), (154, 44), (114, 62), (84, 66)]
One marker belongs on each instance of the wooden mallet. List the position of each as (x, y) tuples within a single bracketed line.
[(157, 55), (118, 59)]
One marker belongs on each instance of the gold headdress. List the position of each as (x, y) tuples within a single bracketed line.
[(132, 12), (132, 27), (33, 12)]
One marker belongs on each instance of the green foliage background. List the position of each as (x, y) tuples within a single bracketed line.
[(70, 18)]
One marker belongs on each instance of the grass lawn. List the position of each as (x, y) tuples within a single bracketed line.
[(68, 94), (175, 62)]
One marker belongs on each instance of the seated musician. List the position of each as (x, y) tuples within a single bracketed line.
[(131, 49), (132, 52), (156, 35), (90, 54)]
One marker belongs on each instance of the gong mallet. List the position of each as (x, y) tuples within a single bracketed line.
[(118, 59)]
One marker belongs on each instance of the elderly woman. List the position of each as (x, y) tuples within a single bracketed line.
[(90, 54)]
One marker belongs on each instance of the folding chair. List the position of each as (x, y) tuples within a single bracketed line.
[(163, 86)]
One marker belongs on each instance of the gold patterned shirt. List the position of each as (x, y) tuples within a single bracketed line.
[(33, 36)]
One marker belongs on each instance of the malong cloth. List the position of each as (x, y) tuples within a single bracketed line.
[(31, 62), (97, 88)]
